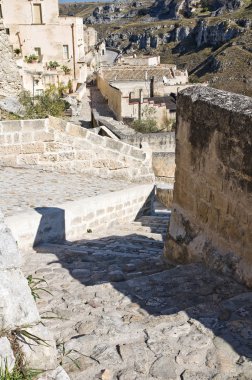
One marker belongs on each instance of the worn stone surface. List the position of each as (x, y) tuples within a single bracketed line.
[(159, 322), (41, 355), (7, 358), (19, 313), (211, 218), (48, 189), (17, 306)]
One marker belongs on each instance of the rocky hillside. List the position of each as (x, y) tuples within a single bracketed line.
[(211, 38)]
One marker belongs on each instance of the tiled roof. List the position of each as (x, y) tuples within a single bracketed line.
[(120, 73)]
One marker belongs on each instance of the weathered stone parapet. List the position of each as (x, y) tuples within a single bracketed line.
[(212, 209), (69, 221), (54, 144)]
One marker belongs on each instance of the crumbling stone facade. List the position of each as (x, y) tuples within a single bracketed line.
[(10, 80), (212, 210)]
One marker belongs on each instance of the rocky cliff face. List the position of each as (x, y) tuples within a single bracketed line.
[(217, 34), (112, 12), (158, 10), (201, 35)]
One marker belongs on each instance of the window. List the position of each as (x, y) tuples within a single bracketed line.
[(7, 30), (37, 14), (37, 51), (1, 12), (65, 52), (39, 92)]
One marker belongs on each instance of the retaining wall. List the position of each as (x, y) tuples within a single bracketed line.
[(71, 220), (54, 144), (212, 210)]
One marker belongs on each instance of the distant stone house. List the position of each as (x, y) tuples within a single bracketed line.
[(132, 89), (39, 36)]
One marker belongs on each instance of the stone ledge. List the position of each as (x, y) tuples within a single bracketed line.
[(71, 220)]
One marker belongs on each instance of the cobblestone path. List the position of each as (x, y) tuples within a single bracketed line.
[(126, 315)]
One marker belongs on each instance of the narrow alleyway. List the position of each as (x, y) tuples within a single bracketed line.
[(120, 313)]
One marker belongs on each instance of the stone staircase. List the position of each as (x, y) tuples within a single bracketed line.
[(119, 312)]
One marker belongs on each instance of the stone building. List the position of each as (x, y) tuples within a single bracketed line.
[(50, 49), (137, 84)]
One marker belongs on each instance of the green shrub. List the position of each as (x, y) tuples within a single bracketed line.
[(42, 106), (66, 69), (52, 65), (31, 58), (18, 374), (148, 123)]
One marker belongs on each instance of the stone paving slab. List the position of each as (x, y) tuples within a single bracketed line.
[(24, 189), (123, 314)]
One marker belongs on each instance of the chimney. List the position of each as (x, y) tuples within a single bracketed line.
[(140, 104), (152, 87)]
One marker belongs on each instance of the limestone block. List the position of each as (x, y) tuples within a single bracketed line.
[(164, 164), (66, 156), (11, 126), (112, 144), (165, 196), (7, 358), (75, 130), (10, 149), (37, 147), (48, 157), (40, 356), (137, 153), (8, 160), (56, 146), (17, 306), (58, 374), (33, 125), (9, 255), (26, 137), (57, 124), (28, 159), (43, 136)]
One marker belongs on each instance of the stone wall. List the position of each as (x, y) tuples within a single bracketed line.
[(164, 166), (158, 142), (10, 80), (54, 144), (212, 210)]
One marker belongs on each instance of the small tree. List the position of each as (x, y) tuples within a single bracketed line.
[(66, 69), (41, 106), (148, 122)]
